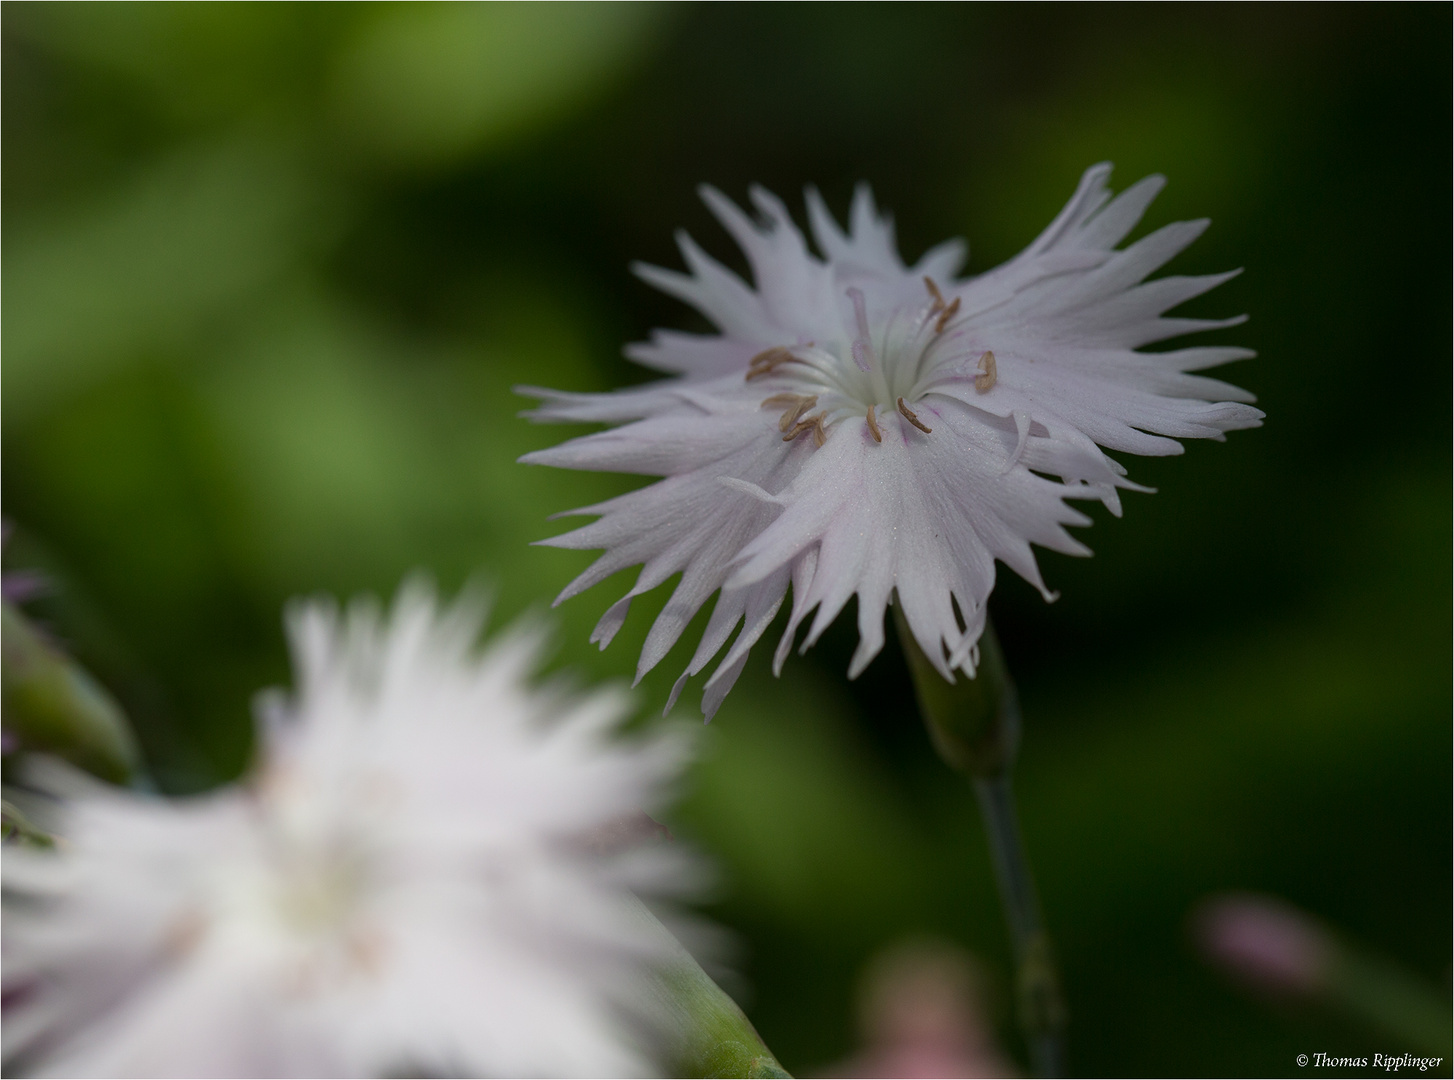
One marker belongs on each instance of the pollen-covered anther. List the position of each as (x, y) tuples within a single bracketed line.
[(873, 425), (987, 376), (812, 423), (768, 361), (938, 305), (793, 405), (944, 316), (913, 418), (781, 401)]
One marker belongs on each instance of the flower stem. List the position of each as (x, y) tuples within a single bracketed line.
[(1037, 983), (975, 726)]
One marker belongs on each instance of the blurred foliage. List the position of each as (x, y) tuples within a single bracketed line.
[(272, 270)]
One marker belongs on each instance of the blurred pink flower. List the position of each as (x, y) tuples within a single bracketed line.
[(1265, 942), (922, 1014)]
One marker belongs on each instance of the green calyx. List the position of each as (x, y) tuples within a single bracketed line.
[(52, 705), (974, 723), (711, 1036)]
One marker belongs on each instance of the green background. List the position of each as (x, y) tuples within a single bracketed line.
[(272, 270)]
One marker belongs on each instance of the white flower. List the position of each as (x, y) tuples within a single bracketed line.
[(859, 427), (412, 880)]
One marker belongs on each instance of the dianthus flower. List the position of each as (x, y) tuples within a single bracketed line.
[(859, 427), (414, 879)]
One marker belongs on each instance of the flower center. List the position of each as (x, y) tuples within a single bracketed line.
[(882, 370), (318, 890)]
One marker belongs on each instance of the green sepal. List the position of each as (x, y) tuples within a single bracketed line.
[(52, 705), (711, 1036), (16, 827), (974, 723)]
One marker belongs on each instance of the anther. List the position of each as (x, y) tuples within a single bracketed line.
[(912, 418), (938, 305), (798, 428), (794, 412), (810, 423), (873, 426), (987, 373), (947, 314), (781, 401), (767, 361)]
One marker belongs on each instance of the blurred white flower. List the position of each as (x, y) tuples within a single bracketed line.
[(419, 876), (859, 427)]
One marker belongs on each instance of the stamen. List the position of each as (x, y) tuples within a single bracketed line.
[(863, 344), (873, 424), (781, 401), (947, 314), (791, 415), (938, 305), (768, 361), (798, 428), (910, 416), (812, 423), (987, 374)]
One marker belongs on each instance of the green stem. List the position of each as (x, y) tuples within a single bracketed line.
[(1037, 984), (975, 726)]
